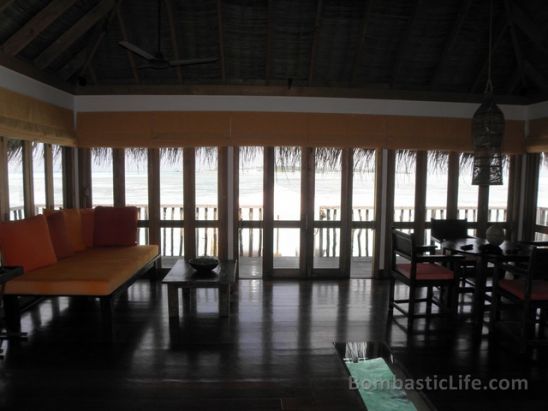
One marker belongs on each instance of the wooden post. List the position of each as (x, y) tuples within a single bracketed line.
[(4, 181), (307, 211), (119, 177), (512, 210), (420, 195), (222, 202), (48, 173), (70, 189), (389, 216), (483, 210), (189, 176), (532, 165), (28, 179), (84, 177), (453, 186), (154, 195), (378, 214), (346, 211), (268, 208), (236, 201)]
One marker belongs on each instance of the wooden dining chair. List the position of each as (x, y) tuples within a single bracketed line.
[(529, 292), (419, 270)]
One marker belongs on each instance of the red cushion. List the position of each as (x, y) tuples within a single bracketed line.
[(539, 289), (88, 225), (27, 243), (115, 226), (426, 271), (59, 235)]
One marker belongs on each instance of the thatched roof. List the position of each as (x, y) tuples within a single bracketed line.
[(398, 48)]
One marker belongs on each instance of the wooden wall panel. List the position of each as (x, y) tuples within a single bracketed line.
[(154, 195), (28, 179), (84, 177), (119, 177), (189, 176), (48, 173)]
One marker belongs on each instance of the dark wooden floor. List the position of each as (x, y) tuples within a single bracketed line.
[(274, 353)]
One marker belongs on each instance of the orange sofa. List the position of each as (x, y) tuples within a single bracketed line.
[(91, 253)]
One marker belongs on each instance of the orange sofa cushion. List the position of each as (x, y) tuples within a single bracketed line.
[(73, 221), (115, 226), (59, 235), (88, 225), (93, 272), (27, 243)]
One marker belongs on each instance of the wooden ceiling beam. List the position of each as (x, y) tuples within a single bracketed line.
[(36, 25), (515, 44), (170, 8), (70, 36), (404, 41), (497, 42), (451, 40), (221, 40), (315, 41), (361, 44), (130, 56), (530, 28)]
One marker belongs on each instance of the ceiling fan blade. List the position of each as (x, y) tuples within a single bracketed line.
[(135, 49), (192, 61)]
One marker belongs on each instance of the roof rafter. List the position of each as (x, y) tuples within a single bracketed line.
[(451, 40), (357, 55), (170, 6), (36, 25), (315, 41), (536, 76), (221, 40), (70, 36), (531, 29), (498, 40), (515, 44), (402, 47), (130, 56)]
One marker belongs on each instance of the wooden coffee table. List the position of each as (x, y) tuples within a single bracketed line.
[(183, 276)]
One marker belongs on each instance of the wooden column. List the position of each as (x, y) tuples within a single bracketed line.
[(236, 206), (346, 211), (389, 207), (84, 177), (70, 189), (28, 180), (119, 177), (268, 210), (48, 173), (377, 242), (453, 186), (307, 211), (154, 195), (4, 181), (420, 195), (532, 165), (189, 176), (483, 210), (222, 201), (512, 210)]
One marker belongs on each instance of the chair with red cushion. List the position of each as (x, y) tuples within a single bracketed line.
[(529, 292), (417, 271)]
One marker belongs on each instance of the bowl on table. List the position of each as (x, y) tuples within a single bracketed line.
[(203, 264)]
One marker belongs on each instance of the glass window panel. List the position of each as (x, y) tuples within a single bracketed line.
[(498, 195), (251, 183), (362, 252), (39, 180), (58, 176), (171, 184), (136, 175), (363, 186), (286, 247), (101, 177), (468, 193), (287, 183), (327, 184), (404, 186), (172, 241), (207, 161), (436, 185), (542, 197), (15, 177), (207, 241), (326, 247), (250, 262)]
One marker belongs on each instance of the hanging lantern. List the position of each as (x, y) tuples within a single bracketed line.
[(487, 131)]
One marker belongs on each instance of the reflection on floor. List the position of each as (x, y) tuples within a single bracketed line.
[(275, 352)]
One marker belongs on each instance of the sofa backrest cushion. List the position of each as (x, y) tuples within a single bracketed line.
[(88, 225), (73, 221), (59, 234), (27, 243), (115, 226)]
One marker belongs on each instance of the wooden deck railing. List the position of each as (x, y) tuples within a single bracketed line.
[(327, 239)]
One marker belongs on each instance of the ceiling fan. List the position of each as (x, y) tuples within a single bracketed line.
[(157, 61)]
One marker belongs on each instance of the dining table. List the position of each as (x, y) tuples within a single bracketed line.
[(485, 254)]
